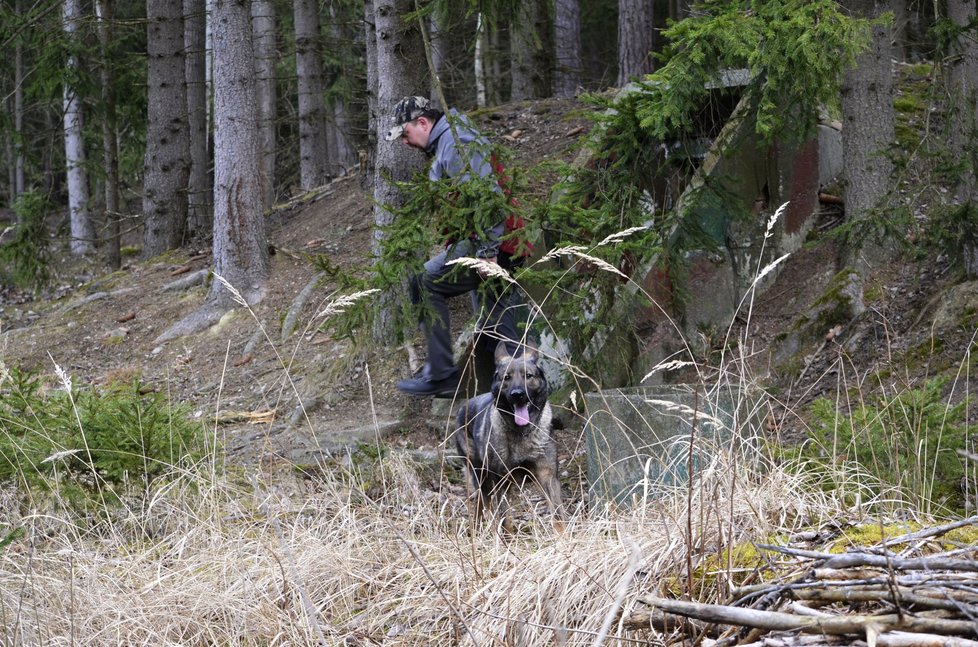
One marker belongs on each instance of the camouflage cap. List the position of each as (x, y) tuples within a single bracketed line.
[(407, 109)]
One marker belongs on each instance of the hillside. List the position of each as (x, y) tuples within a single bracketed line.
[(918, 323), (245, 372)]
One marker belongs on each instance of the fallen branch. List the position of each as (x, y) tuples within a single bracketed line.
[(927, 533), (906, 596), (849, 560), (834, 625)]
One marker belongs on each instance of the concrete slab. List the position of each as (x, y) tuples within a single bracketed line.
[(643, 441)]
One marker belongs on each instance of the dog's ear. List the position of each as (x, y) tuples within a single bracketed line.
[(531, 353), (502, 353)]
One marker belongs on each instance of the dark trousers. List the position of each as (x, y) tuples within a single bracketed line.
[(438, 283)]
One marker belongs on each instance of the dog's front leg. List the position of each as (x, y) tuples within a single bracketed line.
[(546, 478)]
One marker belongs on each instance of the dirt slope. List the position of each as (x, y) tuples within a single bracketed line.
[(245, 372), (251, 377)]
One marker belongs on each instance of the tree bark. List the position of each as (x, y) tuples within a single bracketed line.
[(312, 103), (239, 249), (110, 135), (373, 114), (635, 31), (567, 43), (19, 181), (82, 230), (529, 63), (167, 160), (199, 195), (342, 153), (240, 252), (401, 71), (263, 23), (868, 128), (962, 79)]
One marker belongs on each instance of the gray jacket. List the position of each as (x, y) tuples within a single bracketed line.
[(448, 161)]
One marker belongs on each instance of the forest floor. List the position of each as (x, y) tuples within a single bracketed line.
[(289, 397)]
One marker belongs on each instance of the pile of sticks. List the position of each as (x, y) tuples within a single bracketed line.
[(899, 593)]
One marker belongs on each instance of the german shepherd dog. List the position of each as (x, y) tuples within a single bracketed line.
[(505, 435)]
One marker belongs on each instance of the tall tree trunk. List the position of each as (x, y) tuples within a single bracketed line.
[(9, 155), (528, 52), (479, 61), (962, 80), (373, 108), (342, 154), (263, 23), (635, 32), (901, 29), (868, 127), (199, 194), (401, 71), (312, 102), (167, 161), (567, 41), (19, 183), (110, 135), (82, 229), (679, 9), (494, 70), (439, 48), (240, 251)]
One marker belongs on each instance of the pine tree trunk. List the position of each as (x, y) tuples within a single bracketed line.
[(167, 160), (312, 106), (342, 153), (263, 23), (868, 127), (373, 114), (528, 52), (8, 153), (401, 71), (82, 229), (567, 41), (679, 9), (439, 48), (199, 194), (110, 136), (19, 184), (962, 80), (635, 32), (240, 251)]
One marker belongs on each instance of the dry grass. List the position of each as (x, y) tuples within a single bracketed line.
[(235, 559)]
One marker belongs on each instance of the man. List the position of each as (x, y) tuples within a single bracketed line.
[(426, 129)]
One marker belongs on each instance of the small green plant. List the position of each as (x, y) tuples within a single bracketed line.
[(90, 448), (909, 440), (26, 256)]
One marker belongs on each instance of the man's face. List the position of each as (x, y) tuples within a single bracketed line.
[(416, 133)]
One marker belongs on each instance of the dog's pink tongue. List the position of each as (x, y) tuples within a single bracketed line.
[(522, 416)]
